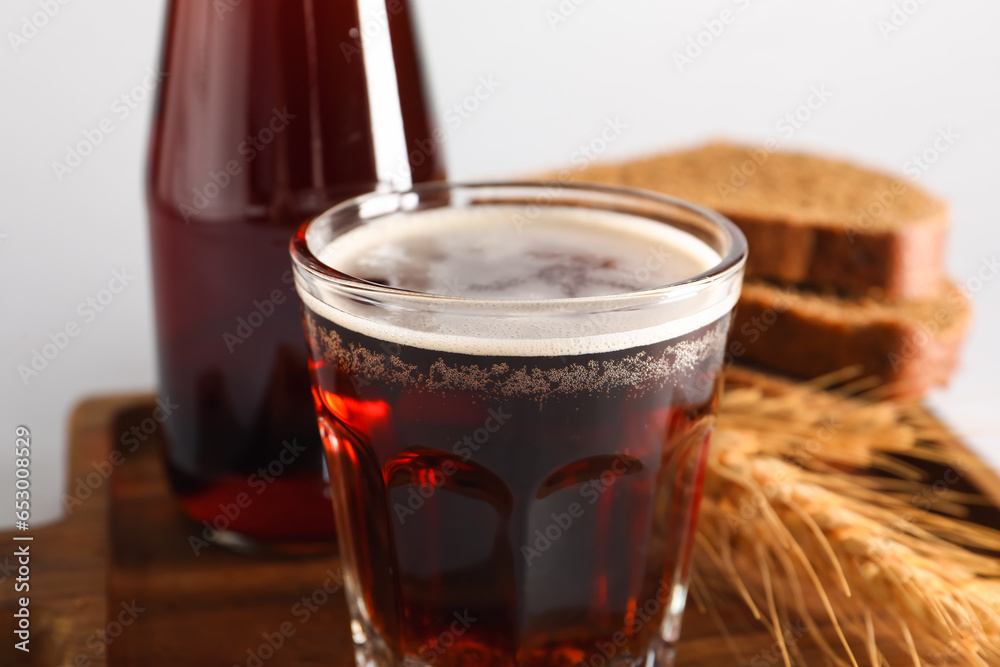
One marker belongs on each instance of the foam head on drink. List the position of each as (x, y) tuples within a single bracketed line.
[(487, 254), (533, 474)]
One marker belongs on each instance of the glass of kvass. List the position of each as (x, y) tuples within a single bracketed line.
[(516, 385)]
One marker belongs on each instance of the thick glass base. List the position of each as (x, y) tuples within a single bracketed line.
[(291, 515), (660, 654), (656, 648)]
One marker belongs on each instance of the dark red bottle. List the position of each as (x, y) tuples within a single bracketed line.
[(269, 112)]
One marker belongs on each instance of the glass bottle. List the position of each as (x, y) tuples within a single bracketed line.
[(269, 112)]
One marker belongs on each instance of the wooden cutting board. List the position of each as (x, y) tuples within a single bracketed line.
[(117, 584)]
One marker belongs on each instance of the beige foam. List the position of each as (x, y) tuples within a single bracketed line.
[(512, 327)]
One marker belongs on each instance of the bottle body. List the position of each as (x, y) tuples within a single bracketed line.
[(268, 115)]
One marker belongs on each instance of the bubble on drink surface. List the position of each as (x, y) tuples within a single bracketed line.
[(675, 361), (574, 375), (541, 288), (509, 271), (495, 253)]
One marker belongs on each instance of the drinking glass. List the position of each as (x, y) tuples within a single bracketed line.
[(516, 479)]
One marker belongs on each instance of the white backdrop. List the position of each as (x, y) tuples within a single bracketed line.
[(893, 75)]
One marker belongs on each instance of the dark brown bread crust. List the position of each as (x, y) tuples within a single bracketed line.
[(808, 220), (909, 348), (901, 264), (833, 227)]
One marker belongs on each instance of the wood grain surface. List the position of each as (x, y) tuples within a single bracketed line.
[(118, 584)]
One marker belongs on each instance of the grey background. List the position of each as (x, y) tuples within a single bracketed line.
[(559, 81)]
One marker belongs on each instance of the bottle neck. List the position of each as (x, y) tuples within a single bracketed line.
[(289, 106)]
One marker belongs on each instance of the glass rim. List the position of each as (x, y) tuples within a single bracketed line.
[(730, 264)]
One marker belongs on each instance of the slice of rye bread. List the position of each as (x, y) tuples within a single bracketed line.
[(808, 220), (910, 345)]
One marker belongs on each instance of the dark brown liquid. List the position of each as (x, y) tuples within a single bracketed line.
[(263, 122), (514, 510)]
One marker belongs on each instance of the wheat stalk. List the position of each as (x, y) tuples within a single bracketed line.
[(789, 531)]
